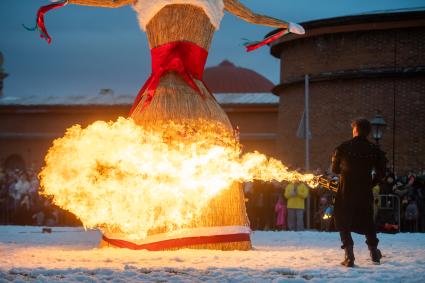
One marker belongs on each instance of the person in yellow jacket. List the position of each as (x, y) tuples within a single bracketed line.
[(296, 193)]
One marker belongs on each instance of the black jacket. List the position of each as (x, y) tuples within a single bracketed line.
[(354, 161)]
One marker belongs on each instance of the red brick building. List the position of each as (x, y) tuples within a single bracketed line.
[(358, 65), (28, 125)]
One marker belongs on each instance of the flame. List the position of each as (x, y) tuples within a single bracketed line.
[(327, 216), (328, 213), (133, 179)]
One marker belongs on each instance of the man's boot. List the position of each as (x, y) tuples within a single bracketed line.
[(349, 257), (375, 255)]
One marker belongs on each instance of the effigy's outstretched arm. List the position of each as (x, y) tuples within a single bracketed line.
[(39, 25), (238, 9), (102, 3)]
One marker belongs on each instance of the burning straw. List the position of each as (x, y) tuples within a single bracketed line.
[(139, 180)]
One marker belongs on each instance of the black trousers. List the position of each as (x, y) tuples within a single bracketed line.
[(347, 240)]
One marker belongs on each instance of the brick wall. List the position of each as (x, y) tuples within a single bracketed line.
[(333, 103), (352, 50)]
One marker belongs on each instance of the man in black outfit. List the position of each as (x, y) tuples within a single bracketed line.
[(354, 161)]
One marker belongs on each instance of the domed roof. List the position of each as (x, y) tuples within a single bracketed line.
[(227, 78)]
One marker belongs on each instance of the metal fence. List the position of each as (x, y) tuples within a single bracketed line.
[(389, 209)]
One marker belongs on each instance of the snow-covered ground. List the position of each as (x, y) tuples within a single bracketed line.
[(71, 254)]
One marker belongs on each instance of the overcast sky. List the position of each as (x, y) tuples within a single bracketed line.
[(96, 48)]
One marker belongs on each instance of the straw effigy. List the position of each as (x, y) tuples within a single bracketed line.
[(175, 100)]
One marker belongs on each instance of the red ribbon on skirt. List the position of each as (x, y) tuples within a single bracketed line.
[(183, 57), (179, 243)]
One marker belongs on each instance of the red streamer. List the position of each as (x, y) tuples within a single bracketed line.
[(40, 18), (179, 243), (185, 58), (268, 40)]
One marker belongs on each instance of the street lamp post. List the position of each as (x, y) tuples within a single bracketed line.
[(378, 126)]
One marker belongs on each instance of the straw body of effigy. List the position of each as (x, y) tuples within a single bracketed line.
[(175, 100)]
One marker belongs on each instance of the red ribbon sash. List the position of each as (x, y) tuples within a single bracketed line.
[(185, 58), (179, 243)]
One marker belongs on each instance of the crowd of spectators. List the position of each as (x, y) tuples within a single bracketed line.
[(276, 206), (406, 194), (283, 206), (399, 205), (20, 203), (260, 199)]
